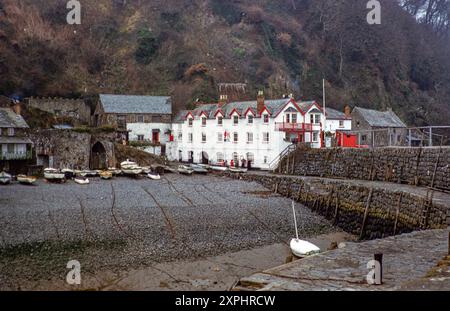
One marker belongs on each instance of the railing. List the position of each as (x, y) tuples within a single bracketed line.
[(274, 164), (283, 126), (16, 156)]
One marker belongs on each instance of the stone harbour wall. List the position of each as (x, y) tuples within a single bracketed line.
[(369, 213), (415, 166)]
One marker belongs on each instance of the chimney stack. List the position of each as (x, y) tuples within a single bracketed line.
[(348, 111), (223, 100), (17, 108), (260, 100)]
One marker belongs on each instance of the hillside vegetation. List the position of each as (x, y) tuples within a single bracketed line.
[(186, 47)]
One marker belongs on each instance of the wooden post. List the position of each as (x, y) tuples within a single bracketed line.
[(398, 212), (299, 194), (336, 210), (430, 143), (366, 214)]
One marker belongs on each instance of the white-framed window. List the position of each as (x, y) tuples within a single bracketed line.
[(294, 118), (203, 121), (251, 157), (341, 123), (219, 137), (190, 138), (249, 138), (190, 122), (220, 157), (315, 137), (140, 118), (235, 137), (266, 160), (140, 137), (220, 121), (235, 120), (203, 137), (10, 131), (315, 118), (266, 119), (180, 136), (266, 137), (250, 119)]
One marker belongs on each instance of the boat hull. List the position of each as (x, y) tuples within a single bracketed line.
[(154, 177), (303, 249), (82, 181), (26, 180)]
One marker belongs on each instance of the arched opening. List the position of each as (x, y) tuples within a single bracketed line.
[(98, 157), (205, 158)]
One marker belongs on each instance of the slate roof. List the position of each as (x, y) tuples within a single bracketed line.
[(8, 119), (377, 118), (136, 104), (334, 114)]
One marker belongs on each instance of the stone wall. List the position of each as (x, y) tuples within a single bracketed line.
[(415, 166), (369, 213), (62, 107)]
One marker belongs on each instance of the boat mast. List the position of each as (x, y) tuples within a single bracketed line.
[(295, 220)]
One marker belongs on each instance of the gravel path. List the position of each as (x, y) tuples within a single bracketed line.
[(133, 223)]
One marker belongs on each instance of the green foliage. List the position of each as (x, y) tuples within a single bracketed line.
[(148, 45), (239, 53)]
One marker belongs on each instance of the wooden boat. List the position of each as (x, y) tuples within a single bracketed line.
[(82, 180), (128, 164), (106, 175), (88, 173), (185, 170), (154, 176), (219, 168), (5, 178), (135, 171), (299, 247), (26, 180), (238, 170), (68, 173), (199, 170), (52, 174)]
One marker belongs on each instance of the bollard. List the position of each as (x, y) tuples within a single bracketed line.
[(379, 258)]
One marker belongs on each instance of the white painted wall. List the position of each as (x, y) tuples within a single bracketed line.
[(146, 129), (334, 125)]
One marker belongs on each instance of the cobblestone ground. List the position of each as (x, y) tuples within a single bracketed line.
[(408, 262), (128, 223)]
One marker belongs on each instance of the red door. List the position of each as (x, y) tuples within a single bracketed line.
[(155, 138)]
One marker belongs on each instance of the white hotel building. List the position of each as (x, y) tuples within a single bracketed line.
[(257, 131)]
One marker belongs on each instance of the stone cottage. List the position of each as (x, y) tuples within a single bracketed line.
[(378, 128)]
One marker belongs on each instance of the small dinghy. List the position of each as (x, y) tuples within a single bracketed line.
[(238, 170), (54, 175), (106, 175), (82, 180), (219, 168), (199, 170), (128, 165), (26, 180), (185, 170), (154, 176), (299, 247), (5, 178), (88, 173)]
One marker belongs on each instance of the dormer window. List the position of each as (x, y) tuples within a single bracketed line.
[(315, 118), (250, 119), (219, 120), (190, 122), (236, 120), (266, 118), (203, 121)]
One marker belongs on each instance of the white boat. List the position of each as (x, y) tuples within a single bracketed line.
[(146, 170), (185, 170), (52, 174), (82, 180), (128, 164), (26, 180), (238, 170), (198, 169), (154, 176), (115, 171), (299, 247), (132, 171), (219, 168), (88, 173), (5, 178), (106, 175)]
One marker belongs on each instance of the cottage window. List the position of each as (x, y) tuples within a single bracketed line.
[(190, 122), (315, 137), (219, 137), (180, 136), (219, 121), (203, 137), (140, 137), (191, 138), (266, 137), (220, 157), (10, 131), (250, 119), (250, 157), (140, 119), (203, 121), (250, 138), (266, 119), (341, 124), (294, 118), (315, 118), (236, 120), (236, 137)]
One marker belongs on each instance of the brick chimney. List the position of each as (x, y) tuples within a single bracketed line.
[(260, 100), (17, 108), (223, 100), (348, 111)]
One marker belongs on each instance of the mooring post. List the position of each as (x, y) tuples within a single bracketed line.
[(379, 259)]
